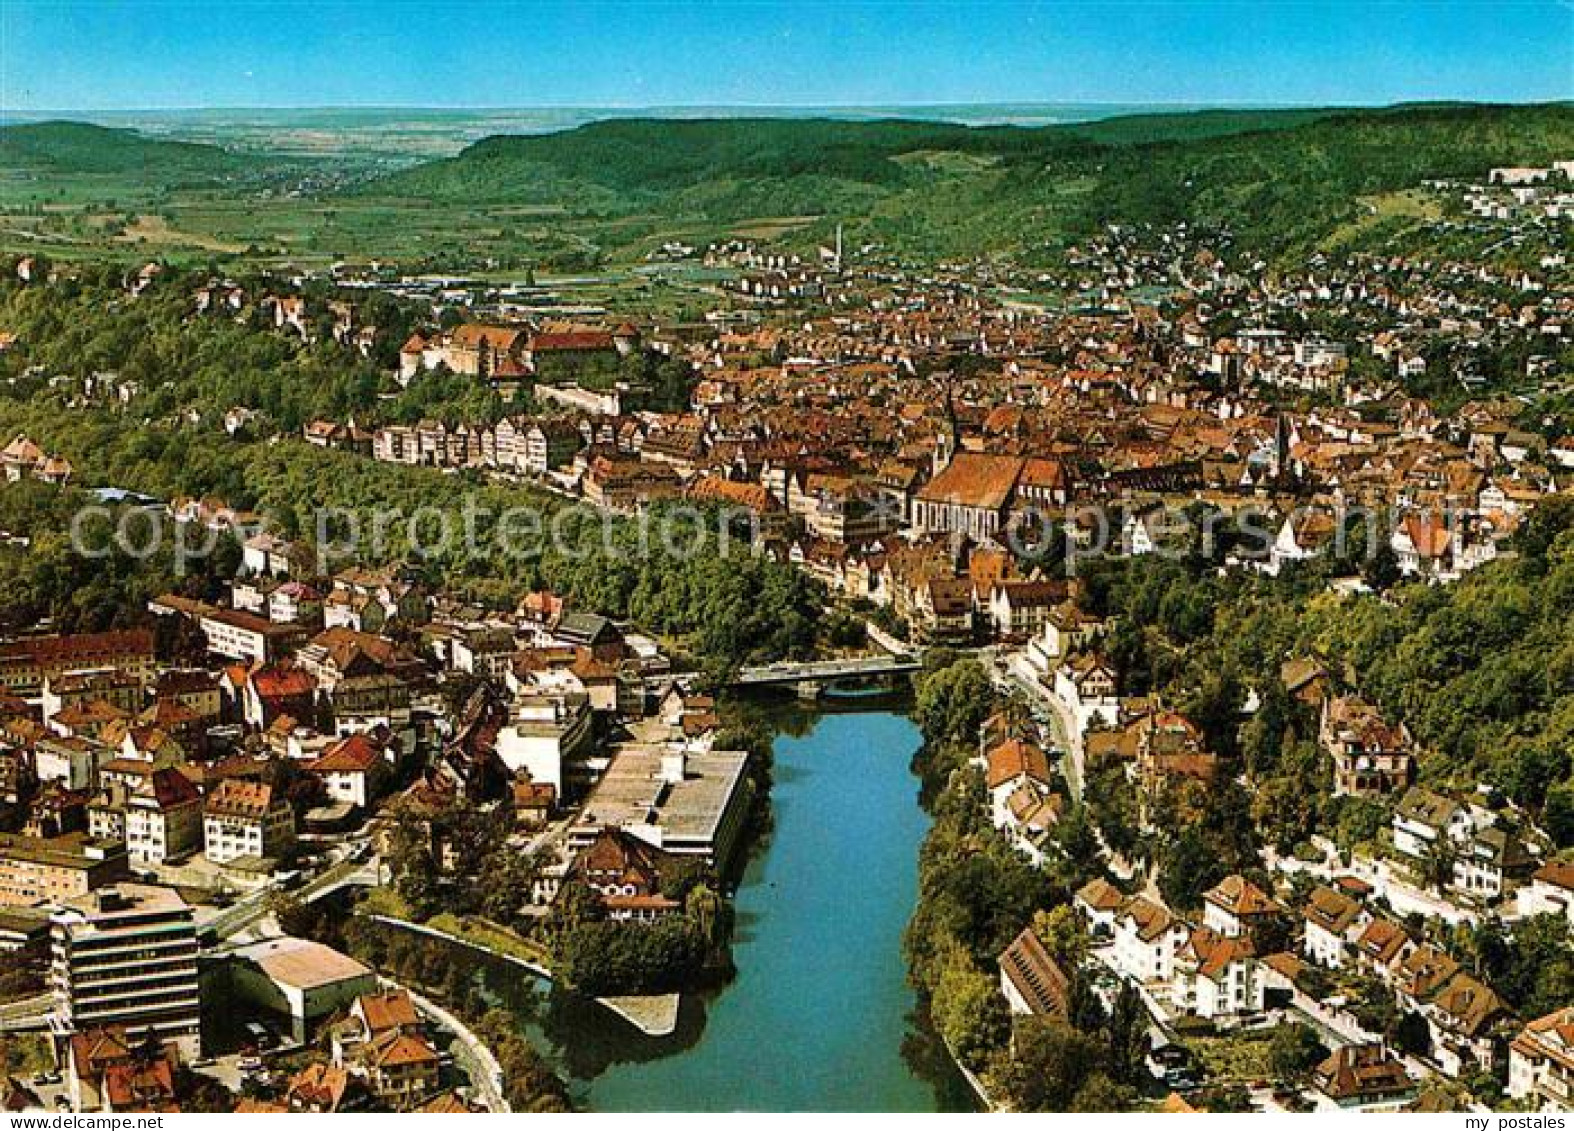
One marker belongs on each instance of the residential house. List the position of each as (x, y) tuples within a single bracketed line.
[(1332, 922), (1370, 757), (1466, 1019), (1087, 684), (1541, 1063), (1100, 902), (1383, 948), (1147, 940), (354, 771), (159, 816), (1549, 892), (1033, 983), (1023, 804), (383, 1040), (1424, 820), (1362, 1076), (626, 873), (1236, 907), (1020, 609), (246, 819), (1216, 975)]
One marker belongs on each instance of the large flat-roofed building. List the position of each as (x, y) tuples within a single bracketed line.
[(684, 802), (297, 980), (232, 633), (127, 956), (55, 869)]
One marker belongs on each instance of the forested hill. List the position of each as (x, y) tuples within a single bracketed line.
[(1280, 179), (77, 147)]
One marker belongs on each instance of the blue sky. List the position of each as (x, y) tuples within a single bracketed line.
[(136, 54)]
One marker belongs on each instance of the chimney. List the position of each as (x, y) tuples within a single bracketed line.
[(673, 765)]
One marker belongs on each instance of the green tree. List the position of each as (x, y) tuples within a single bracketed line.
[(1129, 1037), (1050, 1066), (1293, 1051), (968, 1010)]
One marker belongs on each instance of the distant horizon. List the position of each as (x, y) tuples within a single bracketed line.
[(249, 55), (1121, 109)]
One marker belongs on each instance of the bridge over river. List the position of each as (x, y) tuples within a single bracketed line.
[(813, 676)]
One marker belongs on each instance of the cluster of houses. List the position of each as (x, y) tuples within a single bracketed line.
[(236, 745), (23, 459), (877, 476), (1250, 955)]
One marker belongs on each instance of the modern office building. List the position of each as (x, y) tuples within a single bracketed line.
[(127, 956)]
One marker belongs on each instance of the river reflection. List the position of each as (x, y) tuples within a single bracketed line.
[(819, 1016)]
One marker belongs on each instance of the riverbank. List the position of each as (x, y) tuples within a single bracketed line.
[(535, 968), (438, 971), (978, 894), (818, 1015), (655, 1015)]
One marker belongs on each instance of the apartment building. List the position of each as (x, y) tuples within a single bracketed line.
[(1541, 1062), (25, 664), (35, 870), (246, 819), (127, 956)]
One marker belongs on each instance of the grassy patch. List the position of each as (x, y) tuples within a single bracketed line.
[(492, 936), (385, 901), (1236, 1058)]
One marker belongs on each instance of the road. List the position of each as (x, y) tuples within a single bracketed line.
[(1007, 674), (248, 912), (476, 1060)]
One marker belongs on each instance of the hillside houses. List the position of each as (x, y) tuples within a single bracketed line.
[(1370, 757)]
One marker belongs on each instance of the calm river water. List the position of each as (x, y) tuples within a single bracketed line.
[(820, 1016)]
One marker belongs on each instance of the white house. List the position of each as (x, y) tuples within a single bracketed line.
[(1236, 906), (1332, 922), (1147, 940), (1100, 903), (1549, 892), (1422, 817), (1086, 684), (246, 819), (1217, 976), (1541, 1062), (352, 770)]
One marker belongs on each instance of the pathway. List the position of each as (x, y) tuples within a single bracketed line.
[(482, 1068)]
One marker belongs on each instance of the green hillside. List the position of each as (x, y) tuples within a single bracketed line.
[(1280, 179), (608, 193), (79, 148)]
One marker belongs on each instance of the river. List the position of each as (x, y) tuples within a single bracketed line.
[(819, 1016)]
